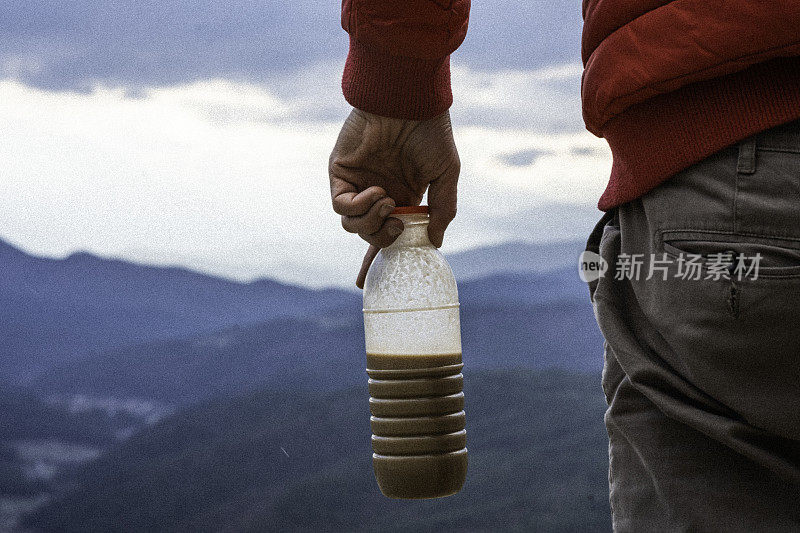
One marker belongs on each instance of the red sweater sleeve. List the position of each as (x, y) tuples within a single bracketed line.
[(399, 60)]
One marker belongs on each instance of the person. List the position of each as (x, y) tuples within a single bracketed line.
[(700, 105)]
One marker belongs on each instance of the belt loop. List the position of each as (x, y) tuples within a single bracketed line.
[(746, 163)]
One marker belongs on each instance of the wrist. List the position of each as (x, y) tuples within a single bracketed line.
[(395, 86)]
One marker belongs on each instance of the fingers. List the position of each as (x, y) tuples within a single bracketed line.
[(442, 201), (372, 252), (347, 201), (382, 238), (386, 235), (371, 221)]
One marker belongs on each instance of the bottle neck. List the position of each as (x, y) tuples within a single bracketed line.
[(415, 232)]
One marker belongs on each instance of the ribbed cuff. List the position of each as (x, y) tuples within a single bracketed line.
[(654, 140), (394, 86)]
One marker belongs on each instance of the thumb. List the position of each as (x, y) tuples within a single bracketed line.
[(442, 203), (372, 252)]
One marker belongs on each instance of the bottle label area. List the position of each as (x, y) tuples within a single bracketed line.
[(428, 331)]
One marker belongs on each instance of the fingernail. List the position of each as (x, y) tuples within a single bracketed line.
[(385, 210), (394, 231)]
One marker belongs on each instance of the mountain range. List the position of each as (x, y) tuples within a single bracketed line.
[(241, 370), (56, 310), (300, 461), (82, 313), (326, 352), (108, 328)]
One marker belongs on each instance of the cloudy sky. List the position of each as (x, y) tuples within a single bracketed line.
[(196, 132)]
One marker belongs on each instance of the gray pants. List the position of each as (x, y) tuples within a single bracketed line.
[(702, 372)]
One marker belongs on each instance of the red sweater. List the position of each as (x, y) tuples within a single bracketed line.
[(666, 82)]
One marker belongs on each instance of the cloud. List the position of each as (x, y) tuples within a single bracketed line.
[(503, 98), (521, 158), (230, 177), (67, 44)]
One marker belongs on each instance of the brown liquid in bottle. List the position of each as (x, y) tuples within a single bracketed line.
[(418, 424)]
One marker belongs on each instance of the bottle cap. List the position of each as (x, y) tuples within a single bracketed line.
[(410, 210)]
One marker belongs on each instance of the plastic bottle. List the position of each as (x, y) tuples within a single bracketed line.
[(413, 341)]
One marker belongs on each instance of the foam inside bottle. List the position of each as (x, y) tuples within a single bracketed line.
[(411, 297)]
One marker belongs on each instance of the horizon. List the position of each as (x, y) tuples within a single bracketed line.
[(467, 256)]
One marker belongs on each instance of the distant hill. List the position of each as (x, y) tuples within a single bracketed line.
[(515, 257), (508, 321), (58, 310), (279, 461)]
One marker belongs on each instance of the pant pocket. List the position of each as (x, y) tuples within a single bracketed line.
[(732, 334), (747, 255)]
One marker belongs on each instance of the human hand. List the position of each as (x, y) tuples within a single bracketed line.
[(379, 163)]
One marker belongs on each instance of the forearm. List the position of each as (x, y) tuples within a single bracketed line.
[(399, 60)]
